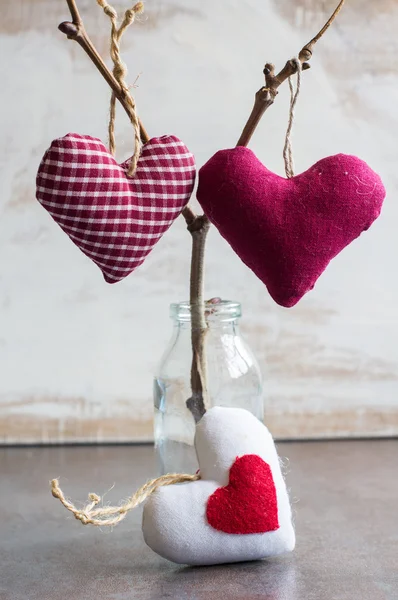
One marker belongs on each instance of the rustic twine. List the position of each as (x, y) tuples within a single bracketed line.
[(112, 515), (120, 72), (287, 150)]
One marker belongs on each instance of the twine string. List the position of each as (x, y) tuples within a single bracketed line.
[(120, 72), (91, 514), (294, 94)]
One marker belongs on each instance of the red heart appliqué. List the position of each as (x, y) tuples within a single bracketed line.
[(288, 230), (114, 219), (248, 504)]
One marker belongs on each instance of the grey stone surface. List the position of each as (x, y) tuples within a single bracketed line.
[(345, 499)]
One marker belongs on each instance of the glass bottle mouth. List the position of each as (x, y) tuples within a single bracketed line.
[(215, 310)]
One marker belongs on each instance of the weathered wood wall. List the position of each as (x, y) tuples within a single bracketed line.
[(76, 355)]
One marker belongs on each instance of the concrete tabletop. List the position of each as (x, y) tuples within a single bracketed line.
[(345, 500)]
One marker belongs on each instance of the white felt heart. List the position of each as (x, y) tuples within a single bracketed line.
[(241, 489)]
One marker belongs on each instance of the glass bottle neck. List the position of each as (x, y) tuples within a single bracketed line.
[(224, 327), (219, 314)]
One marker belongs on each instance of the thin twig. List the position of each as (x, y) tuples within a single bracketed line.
[(75, 31), (307, 50), (199, 398), (74, 13), (265, 96), (189, 215)]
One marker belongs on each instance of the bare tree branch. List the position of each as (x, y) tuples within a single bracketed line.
[(198, 225), (75, 31), (265, 96)]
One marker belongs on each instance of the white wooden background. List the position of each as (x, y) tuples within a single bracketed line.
[(77, 355)]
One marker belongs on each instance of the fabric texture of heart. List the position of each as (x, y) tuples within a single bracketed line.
[(200, 523), (114, 219), (288, 230), (248, 503)]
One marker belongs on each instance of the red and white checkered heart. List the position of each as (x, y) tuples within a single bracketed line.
[(114, 219)]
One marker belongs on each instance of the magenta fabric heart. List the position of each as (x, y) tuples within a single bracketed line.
[(288, 230), (114, 219)]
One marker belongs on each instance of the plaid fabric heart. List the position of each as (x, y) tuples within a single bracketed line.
[(114, 219)]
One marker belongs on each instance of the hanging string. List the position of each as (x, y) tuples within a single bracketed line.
[(120, 72), (287, 150), (112, 515)]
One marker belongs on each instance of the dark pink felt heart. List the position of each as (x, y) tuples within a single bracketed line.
[(114, 219), (288, 230)]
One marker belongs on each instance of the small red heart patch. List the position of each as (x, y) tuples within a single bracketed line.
[(248, 504), (114, 219), (288, 230)]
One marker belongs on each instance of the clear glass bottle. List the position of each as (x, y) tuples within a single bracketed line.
[(234, 380)]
